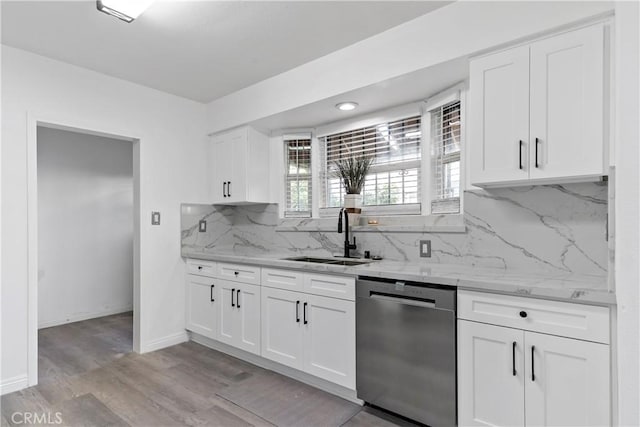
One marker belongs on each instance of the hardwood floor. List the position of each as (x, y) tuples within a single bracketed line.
[(88, 376)]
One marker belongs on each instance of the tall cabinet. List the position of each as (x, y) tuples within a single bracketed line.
[(238, 162), (537, 111)]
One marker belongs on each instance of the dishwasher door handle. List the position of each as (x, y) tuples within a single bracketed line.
[(405, 301)]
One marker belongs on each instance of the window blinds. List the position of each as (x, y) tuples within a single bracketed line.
[(445, 143), (394, 177), (298, 177)]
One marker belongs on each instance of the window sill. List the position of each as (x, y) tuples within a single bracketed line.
[(386, 224)]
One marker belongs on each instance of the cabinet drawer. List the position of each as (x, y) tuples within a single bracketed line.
[(283, 279), (330, 286), (239, 273), (579, 321), (201, 267)]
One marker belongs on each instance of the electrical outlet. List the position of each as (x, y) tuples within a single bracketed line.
[(155, 218), (202, 226), (425, 248)]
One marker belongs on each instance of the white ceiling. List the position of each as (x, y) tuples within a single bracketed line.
[(200, 50), (416, 86)]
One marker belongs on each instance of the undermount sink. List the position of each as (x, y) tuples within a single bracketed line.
[(332, 261)]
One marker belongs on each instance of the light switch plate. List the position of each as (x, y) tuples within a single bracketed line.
[(202, 226), (425, 248), (155, 218)]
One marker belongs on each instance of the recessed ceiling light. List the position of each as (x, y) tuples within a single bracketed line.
[(346, 106), (127, 10)]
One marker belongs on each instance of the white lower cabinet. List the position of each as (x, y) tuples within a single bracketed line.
[(202, 305), (567, 382), (239, 310), (490, 375), (517, 377), (312, 333), (330, 339), (282, 326)]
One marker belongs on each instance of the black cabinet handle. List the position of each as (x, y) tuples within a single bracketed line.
[(513, 358), (238, 299), (537, 141), (224, 189), (233, 291), (228, 188), (533, 365), (298, 311), (520, 153), (304, 313), (523, 314), (212, 286)]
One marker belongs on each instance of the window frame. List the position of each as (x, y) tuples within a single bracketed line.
[(285, 212), (386, 116), (392, 214)]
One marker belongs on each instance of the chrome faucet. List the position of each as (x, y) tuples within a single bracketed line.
[(347, 245)]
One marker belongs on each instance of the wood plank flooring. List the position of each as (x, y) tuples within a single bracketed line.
[(88, 376)]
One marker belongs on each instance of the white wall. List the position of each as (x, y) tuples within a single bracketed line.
[(85, 226), (171, 132), (627, 209), (459, 29)]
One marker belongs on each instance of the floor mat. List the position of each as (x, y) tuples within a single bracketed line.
[(286, 402)]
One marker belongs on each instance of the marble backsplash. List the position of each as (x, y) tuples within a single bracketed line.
[(558, 228)]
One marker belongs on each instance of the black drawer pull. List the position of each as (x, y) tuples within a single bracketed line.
[(520, 153), (533, 365), (304, 313)]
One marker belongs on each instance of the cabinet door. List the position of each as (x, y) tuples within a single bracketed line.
[(499, 117), (282, 326), (490, 375), (567, 101), (223, 163), (329, 339), (247, 301), (227, 322), (567, 381), (201, 310)]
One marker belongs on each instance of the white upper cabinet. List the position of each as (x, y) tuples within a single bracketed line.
[(238, 163), (567, 105), (499, 116), (536, 112)]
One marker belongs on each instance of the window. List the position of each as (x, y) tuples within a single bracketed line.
[(393, 182), (298, 177), (445, 155)]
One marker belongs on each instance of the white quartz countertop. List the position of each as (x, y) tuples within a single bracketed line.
[(584, 289)]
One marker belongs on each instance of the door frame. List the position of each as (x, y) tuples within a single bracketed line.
[(97, 128)]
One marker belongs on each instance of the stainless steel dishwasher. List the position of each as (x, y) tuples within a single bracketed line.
[(406, 349)]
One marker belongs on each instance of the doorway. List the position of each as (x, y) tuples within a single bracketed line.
[(84, 238)]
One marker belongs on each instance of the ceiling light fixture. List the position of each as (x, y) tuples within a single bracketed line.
[(126, 10), (346, 106)]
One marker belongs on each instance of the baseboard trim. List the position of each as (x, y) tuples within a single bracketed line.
[(164, 342), (86, 316), (257, 360), (13, 384)]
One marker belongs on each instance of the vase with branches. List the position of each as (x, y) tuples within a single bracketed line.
[(353, 171)]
